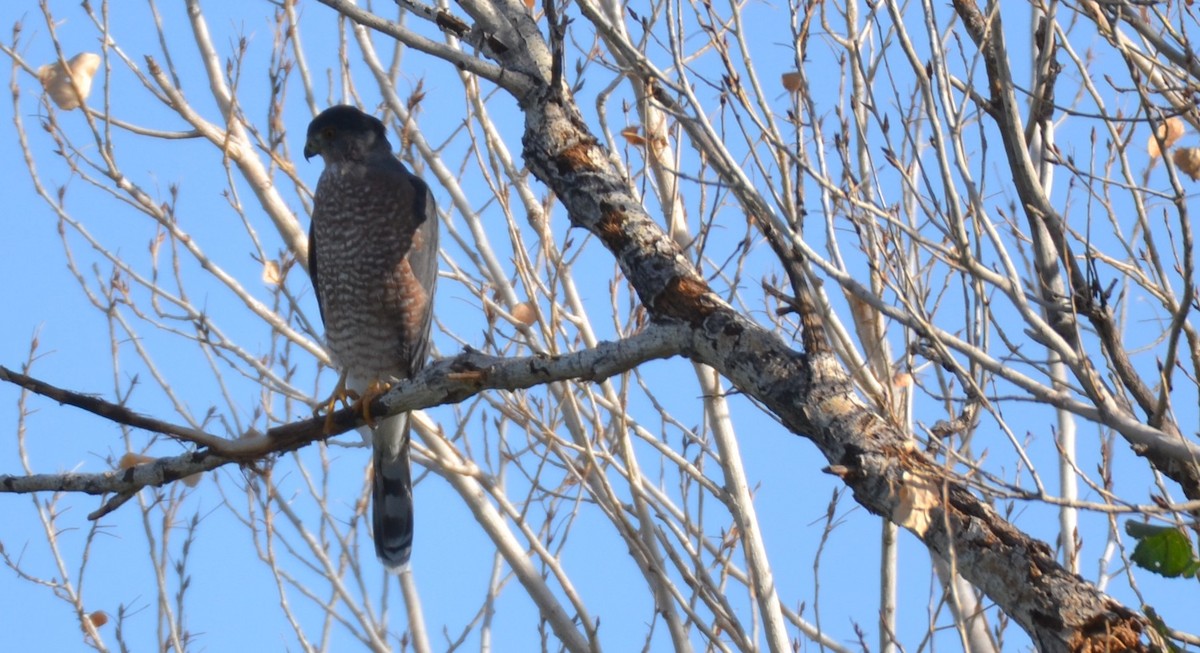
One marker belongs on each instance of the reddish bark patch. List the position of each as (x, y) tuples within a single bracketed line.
[(1106, 634), (574, 159), (686, 299), (611, 227)]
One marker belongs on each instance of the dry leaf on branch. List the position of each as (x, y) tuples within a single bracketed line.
[(1169, 132), (792, 81), (918, 496), (97, 619), (525, 313), (633, 137), (1188, 160), (57, 80), (270, 273), (131, 459)]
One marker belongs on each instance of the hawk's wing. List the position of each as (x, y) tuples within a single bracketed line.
[(312, 262), (423, 257)]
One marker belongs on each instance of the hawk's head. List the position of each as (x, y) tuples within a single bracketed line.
[(342, 133)]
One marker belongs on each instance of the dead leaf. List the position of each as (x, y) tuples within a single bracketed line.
[(525, 313), (1188, 160), (918, 496), (56, 80), (1169, 131), (131, 459), (270, 274), (97, 619), (792, 81), (633, 136)]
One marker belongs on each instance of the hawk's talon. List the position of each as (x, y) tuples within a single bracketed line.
[(374, 391), (341, 393), (351, 399)]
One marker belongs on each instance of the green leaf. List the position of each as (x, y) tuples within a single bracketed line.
[(1163, 550), (1138, 530)]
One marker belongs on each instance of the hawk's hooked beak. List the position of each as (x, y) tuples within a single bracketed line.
[(312, 147)]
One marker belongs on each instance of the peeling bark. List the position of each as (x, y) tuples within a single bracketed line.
[(813, 396)]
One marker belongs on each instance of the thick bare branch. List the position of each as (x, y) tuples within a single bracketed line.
[(812, 396), (443, 382)]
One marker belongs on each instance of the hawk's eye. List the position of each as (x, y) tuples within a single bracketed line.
[(328, 133)]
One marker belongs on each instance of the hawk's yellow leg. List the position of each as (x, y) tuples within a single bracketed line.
[(340, 393), (351, 399), (374, 391)]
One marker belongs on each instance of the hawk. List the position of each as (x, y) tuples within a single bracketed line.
[(372, 255)]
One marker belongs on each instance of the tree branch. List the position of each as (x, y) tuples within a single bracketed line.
[(987, 33), (447, 381), (812, 395)]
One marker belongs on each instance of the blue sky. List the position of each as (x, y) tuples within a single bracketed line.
[(232, 599)]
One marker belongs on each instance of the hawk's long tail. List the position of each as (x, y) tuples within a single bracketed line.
[(392, 501)]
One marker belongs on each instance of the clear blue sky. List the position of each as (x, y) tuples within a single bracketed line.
[(232, 599)]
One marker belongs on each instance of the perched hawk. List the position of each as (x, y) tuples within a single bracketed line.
[(372, 255)]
